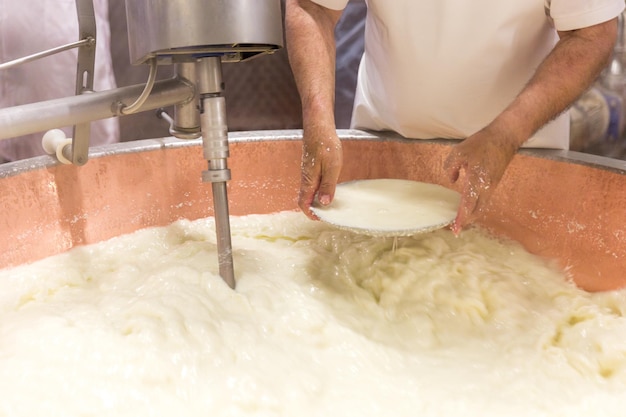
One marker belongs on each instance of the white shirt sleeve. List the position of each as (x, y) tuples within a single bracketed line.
[(577, 14), (332, 4)]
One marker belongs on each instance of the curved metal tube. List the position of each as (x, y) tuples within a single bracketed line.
[(134, 107)]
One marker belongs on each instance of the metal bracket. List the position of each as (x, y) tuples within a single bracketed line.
[(84, 76)]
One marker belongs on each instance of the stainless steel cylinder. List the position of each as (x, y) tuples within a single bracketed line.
[(186, 123), (180, 29)]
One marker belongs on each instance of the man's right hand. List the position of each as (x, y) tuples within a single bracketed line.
[(322, 158), (310, 34)]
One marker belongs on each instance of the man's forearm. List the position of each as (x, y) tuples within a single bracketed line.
[(567, 72), (311, 46)]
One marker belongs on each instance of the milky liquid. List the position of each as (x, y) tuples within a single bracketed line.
[(323, 323), (390, 207)]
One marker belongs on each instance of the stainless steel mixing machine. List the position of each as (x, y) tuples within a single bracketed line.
[(196, 36)]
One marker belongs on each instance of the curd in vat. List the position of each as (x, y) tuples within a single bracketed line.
[(323, 322)]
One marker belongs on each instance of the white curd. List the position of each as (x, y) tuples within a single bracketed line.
[(323, 322)]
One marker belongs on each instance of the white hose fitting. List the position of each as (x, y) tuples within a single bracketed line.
[(54, 141)]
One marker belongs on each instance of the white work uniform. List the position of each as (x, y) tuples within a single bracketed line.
[(31, 26), (447, 68)]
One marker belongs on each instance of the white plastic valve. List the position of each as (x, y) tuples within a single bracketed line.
[(54, 141)]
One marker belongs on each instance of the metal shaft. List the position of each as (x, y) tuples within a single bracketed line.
[(215, 148), (47, 52)]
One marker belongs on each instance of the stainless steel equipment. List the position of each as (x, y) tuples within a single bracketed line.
[(194, 35), (198, 36), (233, 29)]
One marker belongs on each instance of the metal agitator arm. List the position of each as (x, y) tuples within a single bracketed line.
[(215, 146)]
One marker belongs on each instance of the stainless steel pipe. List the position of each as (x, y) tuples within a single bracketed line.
[(42, 116)]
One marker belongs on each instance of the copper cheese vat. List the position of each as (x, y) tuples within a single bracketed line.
[(566, 206)]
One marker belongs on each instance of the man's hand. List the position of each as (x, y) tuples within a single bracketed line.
[(477, 164), (310, 34), (322, 158)]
